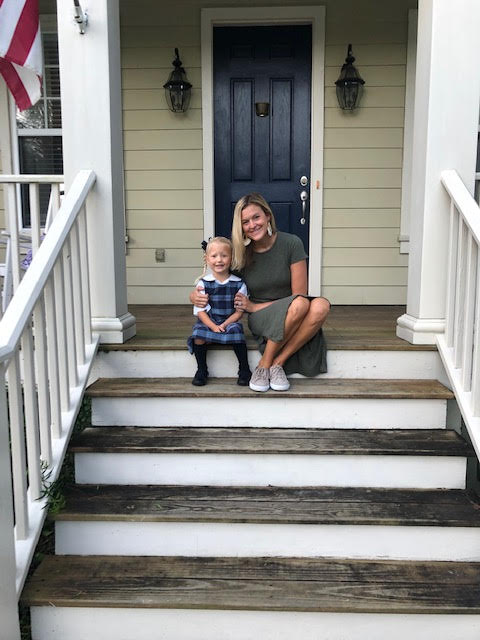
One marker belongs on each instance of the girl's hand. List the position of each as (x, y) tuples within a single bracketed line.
[(219, 328), (199, 298), (242, 303)]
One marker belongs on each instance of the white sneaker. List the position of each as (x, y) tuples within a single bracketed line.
[(260, 380), (278, 379)]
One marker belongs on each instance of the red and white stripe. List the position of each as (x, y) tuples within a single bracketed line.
[(21, 50)]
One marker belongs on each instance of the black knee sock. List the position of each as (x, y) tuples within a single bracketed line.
[(241, 353), (200, 353)]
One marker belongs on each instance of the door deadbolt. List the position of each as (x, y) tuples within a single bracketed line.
[(304, 181)]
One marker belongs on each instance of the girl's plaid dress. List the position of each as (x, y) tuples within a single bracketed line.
[(220, 306)]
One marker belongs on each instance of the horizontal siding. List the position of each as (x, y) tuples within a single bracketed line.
[(358, 257), (363, 151), (159, 295), (173, 258), (165, 219), (371, 218), (366, 295)]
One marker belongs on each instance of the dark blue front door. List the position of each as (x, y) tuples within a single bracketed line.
[(269, 154)]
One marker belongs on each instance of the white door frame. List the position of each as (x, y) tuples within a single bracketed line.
[(315, 16)]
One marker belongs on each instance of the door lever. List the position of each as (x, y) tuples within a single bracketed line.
[(303, 198)]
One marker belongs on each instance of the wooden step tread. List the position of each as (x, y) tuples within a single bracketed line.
[(414, 442), (300, 388), (262, 584), (281, 505)]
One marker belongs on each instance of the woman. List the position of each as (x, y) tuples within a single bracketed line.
[(284, 320)]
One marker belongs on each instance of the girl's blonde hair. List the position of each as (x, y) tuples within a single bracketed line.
[(211, 241), (241, 253)]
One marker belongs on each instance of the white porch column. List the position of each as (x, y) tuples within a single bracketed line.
[(92, 139), (447, 95)]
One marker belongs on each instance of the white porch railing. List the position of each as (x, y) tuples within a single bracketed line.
[(46, 351), (459, 346)]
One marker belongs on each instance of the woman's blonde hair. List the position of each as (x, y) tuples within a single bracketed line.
[(241, 253), (211, 241)]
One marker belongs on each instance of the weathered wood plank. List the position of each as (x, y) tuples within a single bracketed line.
[(319, 505), (347, 327), (412, 442), (256, 584), (300, 388)]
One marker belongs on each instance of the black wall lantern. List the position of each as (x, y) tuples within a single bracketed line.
[(177, 88), (349, 84)]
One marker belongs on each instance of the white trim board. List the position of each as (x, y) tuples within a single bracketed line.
[(270, 16), (78, 623)]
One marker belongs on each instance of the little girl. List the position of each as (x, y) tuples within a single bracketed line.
[(218, 322)]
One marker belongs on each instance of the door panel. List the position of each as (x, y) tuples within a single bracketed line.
[(264, 154)]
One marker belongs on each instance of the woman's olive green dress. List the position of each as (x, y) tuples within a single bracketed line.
[(268, 278)]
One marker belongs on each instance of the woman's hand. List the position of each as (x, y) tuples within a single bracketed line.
[(199, 298), (242, 303)]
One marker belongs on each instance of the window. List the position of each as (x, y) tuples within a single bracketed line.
[(39, 129)]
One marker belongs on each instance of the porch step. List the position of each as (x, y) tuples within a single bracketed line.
[(347, 362), (287, 457), (74, 598), (269, 521), (334, 403)]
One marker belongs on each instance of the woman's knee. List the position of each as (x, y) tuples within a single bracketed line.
[(299, 307), (319, 308)]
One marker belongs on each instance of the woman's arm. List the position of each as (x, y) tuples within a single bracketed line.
[(299, 278)]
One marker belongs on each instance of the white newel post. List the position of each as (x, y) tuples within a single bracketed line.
[(9, 625), (90, 78), (447, 94)]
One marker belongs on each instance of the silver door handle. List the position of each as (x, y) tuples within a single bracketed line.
[(303, 198)]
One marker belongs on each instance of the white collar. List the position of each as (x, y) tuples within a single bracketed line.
[(209, 277)]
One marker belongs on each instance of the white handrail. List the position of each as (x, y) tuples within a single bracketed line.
[(44, 376), (459, 347)]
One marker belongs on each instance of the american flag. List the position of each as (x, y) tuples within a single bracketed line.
[(21, 50)]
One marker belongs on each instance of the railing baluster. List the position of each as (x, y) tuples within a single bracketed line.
[(14, 242), (42, 382), (54, 203), (469, 311), (69, 317), (52, 359), (8, 570), (61, 335), (17, 437), (35, 216), (83, 239), (31, 415), (77, 296), (460, 286), (451, 276), (476, 346)]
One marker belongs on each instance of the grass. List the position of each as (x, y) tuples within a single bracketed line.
[(55, 493)]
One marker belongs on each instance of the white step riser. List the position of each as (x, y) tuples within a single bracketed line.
[(207, 539), (272, 410), (223, 364), (421, 472), (75, 623)]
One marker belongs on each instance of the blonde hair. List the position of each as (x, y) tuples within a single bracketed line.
[(212, 241), (241, 253)]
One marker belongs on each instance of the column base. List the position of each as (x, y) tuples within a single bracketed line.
[(419, 330), (115, 330)]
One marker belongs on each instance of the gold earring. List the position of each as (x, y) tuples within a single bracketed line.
[(269, 229)]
